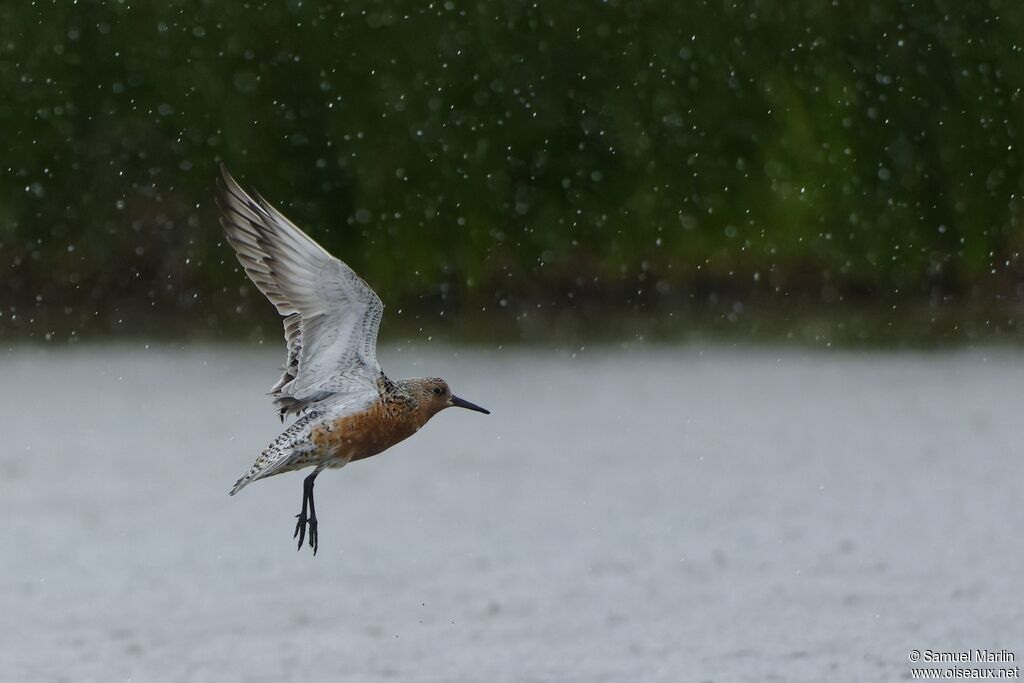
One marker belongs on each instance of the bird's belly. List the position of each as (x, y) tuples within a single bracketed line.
[(358, 436)]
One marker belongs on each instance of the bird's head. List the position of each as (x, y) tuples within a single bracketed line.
[(434, 394)]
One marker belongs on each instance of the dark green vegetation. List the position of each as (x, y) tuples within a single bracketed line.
[(538, 168)]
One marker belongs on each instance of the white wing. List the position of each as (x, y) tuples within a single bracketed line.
[(332, 314)]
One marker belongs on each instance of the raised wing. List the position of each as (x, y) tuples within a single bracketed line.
[(332, 315)]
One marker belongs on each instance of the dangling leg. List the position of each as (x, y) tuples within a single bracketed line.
[(313, 539), (300, 526), (307, 500)]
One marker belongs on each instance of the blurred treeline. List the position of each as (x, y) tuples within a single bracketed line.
[(530, 161)]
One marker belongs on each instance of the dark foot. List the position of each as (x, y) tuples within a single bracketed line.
[(300, 532), (307, 504)]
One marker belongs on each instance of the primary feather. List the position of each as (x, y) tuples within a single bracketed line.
[(331, 314)]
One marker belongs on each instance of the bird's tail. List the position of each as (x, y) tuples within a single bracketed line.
[(240, 484), (257, 471), (263, 467)]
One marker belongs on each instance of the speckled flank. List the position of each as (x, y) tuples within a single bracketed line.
[(290, 445)]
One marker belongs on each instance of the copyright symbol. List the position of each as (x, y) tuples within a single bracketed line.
[(915, 655)]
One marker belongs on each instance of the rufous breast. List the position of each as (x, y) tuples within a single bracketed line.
[(358, 436)]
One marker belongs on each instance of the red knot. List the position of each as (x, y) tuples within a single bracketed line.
[(347, 408)]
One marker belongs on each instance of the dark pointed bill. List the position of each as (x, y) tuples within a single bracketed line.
[(456, 401)]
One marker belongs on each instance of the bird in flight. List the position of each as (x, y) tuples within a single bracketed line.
[(347, 408)]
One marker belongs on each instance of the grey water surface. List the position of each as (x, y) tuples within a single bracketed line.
[(625, 514)]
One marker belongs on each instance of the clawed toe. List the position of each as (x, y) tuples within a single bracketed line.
[(300, 530)]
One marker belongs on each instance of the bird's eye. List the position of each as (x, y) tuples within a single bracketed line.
[(438, 390)]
